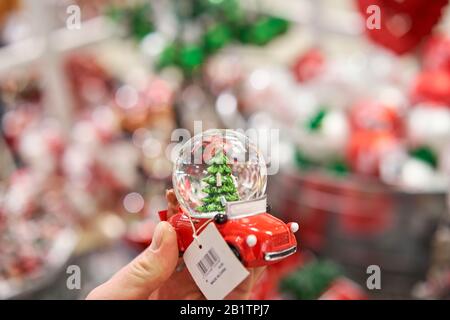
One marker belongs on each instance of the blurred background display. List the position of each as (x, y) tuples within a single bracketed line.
[(350, 99)]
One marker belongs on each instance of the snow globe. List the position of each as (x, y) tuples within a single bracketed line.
[(220, 177), (215, 168)]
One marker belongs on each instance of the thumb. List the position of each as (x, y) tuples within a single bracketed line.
[(147, 272)]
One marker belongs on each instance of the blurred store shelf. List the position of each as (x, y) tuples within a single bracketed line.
[(28, 51)]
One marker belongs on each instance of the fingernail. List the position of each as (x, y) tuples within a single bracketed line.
[(157, 237)]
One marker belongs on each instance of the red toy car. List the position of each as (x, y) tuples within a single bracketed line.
[(257, 238)]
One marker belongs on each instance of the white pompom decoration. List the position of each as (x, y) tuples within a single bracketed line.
[(429, 125)]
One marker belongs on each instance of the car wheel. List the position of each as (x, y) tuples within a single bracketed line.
[(235, 251)]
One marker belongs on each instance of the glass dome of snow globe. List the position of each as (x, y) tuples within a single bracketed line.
[(217, 167)]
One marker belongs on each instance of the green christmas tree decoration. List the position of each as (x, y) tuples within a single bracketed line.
[(220, 23), (315, 123), (140, 21), (241, 32), (220, 187), (302, 161), (191, 57), (425, 154), (136, 18), (260, 33), (277, 25), (311, 280), (263, 30), (216, 37), (338, 167), (168, 57)]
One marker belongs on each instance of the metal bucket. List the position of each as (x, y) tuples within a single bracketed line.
[(358, 222)]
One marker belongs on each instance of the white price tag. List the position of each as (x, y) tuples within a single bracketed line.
[(213, 266)]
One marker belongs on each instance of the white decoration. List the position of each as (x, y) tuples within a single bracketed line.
[(326, 142), (218, 179), (417, 174), (294, 227), (335, 126), (251, 240), (429, 125), (223, 201)]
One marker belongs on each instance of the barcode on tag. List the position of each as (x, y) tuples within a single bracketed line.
[(213, 266), (206, 264)]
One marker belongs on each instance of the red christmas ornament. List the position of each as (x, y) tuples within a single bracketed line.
[(432, 86), (343, 289), (436, 54), (366, 150), (309, 65), (402, 24), (376, 117)]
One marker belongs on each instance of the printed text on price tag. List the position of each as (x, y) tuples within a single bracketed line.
[(213, 266)]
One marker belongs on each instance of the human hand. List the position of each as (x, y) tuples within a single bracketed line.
[(152, 274)]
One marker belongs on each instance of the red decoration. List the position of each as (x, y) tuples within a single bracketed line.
[(436, 54), (376, 117), (309, 65), (432, 86), (344, 289), (366, 150), (403, 24)]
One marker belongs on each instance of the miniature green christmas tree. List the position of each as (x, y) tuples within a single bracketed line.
[(220, 185)]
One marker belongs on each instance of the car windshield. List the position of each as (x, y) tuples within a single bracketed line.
[(242, 215), (239, 209)]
